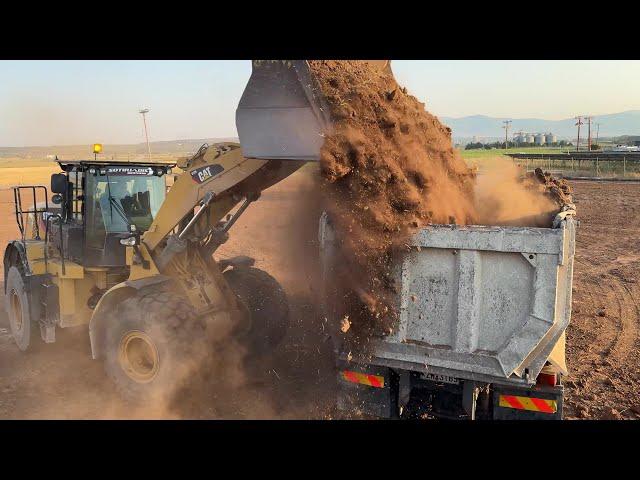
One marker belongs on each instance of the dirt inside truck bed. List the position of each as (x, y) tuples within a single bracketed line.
[(603, 341)]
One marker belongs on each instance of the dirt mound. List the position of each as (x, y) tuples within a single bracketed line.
[(557, 190), (389, 168)]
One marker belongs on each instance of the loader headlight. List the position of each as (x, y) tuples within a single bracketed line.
[(129, 242)]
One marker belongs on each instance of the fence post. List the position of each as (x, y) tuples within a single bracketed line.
[(597, 167), (624, 166)]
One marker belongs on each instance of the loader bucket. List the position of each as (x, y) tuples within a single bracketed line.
[(282, 114)]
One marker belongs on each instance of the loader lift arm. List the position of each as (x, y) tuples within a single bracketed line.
[(221, 172)]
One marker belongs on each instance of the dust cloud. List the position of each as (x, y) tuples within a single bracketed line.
[(503, 197)]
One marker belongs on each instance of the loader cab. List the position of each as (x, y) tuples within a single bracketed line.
[(98, 203)]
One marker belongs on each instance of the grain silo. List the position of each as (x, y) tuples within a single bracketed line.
[(539, 139), (530, 138), (550, 139)]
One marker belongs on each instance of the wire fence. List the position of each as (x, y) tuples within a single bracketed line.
[(592, 167)]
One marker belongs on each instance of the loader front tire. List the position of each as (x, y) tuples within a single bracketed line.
[(153, 343), (266, 301), (23, 328)]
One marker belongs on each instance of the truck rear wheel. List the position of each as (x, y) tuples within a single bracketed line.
[(23, 328), (267, 303), (153, 343)]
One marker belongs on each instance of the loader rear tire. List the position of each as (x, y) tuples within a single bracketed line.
[(24, 330), (153, 342), (267, 302)]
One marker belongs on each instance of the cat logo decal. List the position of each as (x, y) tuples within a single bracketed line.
[(202, 174)]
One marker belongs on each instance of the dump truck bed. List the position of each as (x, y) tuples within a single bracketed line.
[(489, 304)]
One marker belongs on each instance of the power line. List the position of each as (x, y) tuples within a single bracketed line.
[(506, 132), (144, 112), (578, 123), (589, 140)]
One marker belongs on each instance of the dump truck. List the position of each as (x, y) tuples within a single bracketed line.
[(483, 310), (481, 331)]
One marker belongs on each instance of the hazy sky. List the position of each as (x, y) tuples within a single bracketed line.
[(81, 102)]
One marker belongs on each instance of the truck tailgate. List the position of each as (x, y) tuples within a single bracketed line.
[(485, 302)]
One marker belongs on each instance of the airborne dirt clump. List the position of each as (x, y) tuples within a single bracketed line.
[(389, 168), (557, 189)]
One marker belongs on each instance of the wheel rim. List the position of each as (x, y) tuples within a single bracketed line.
[(16, 309), (138, 357)]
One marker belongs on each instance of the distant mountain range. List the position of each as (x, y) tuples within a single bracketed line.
[(615, 124), (481, 126)]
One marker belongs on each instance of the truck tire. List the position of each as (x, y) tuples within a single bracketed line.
[(153, 343), (266, 301), (23, 328)]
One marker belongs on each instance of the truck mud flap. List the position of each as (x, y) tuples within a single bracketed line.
[(536, 403), (370, 390)]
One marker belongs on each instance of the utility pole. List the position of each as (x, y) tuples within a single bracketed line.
[(506, 132), (589, 136), (578, 123), (144, 112), (597, 134)]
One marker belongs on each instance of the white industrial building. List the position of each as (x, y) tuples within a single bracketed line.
[(537, 138)]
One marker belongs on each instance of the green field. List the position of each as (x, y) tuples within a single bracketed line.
[(498, 152), (592, 168)]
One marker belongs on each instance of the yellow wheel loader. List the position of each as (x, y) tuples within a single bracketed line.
[(112, 249)]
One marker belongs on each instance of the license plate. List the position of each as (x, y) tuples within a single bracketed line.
[(434, 377)]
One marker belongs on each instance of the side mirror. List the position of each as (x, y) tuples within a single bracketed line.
[(56, 199), (59, 183)]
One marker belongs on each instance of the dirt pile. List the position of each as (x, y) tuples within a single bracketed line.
[(556, 189), (389, 168)]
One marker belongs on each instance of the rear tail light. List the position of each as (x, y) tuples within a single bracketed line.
[(550, 379)]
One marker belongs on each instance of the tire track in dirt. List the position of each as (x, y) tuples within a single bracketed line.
[(604, 334), (627, 329)]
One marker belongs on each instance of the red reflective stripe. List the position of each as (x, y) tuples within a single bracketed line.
[(350, 376), (374, 381), (542, 405), (362, 378), (514, 402)]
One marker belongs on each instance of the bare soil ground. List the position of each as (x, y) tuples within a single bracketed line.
[(603, 338), (62, 381)]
